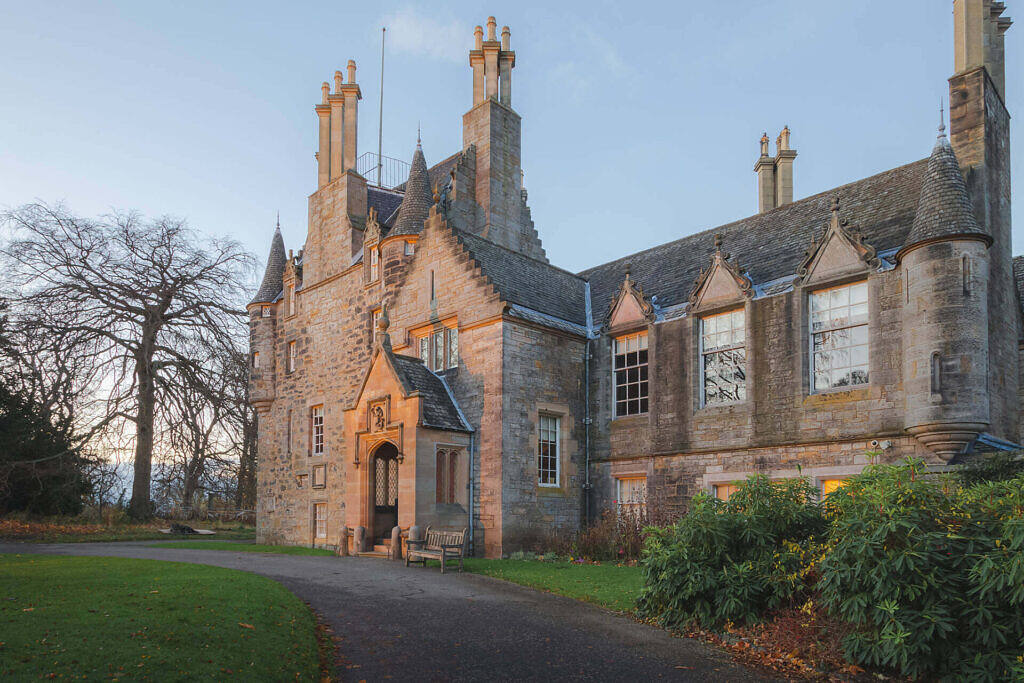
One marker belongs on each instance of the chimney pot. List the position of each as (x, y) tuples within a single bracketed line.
[(338, 80), (351, 71), (325, 90), (492, 25), (478, 38), (505, 35)]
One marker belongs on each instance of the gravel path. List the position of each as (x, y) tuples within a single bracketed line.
[(404, 623)]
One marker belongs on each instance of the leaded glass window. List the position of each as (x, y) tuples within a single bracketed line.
[(839, 336), (631, 495), (547, 451), (317, 415), (723, 358), (425, 350), (453, 348), (630, 352)]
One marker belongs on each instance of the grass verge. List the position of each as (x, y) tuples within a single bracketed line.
[(244, 547), (74, 532), (144, 619), (612, 586)]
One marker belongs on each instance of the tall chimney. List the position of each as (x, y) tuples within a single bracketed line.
[(337, 101), (352, 95), (783, 168), (323, 155), (765, 169)]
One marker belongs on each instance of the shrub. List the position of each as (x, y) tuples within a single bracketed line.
[(998, 466), (733, 561), (930, 576), (613, 537)]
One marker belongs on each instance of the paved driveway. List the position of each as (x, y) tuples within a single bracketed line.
[(412, 623)]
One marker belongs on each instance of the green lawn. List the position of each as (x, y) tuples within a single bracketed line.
[(607, 585), (244, 547), (71, 530), (103, 617)]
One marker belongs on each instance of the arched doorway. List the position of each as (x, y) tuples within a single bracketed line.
[(384, 494)]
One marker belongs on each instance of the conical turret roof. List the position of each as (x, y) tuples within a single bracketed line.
[(944, 207), (417, 200), (272, 278)]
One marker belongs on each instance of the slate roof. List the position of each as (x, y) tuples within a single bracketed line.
[(770, 245), (438, 406), (273, 276), (386, 202), (944, 209), (528, 282), (417, 200)]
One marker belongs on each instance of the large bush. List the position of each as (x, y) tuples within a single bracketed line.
[(733, 561), (930, 575)]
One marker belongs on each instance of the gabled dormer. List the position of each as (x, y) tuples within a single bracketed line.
[(721, 283), (629, 307), (839, 253)]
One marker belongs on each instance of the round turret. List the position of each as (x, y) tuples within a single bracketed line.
[(945, 266)]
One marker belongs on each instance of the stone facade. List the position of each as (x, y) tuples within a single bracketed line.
[(419, 361)]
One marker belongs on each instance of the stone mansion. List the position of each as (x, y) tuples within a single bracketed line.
[(420, 362)]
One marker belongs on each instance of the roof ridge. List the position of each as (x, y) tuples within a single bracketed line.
[(724, 226)]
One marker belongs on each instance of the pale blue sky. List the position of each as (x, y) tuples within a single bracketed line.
[(640, 120)]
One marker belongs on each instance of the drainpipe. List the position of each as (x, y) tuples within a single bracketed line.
[(586, 429)]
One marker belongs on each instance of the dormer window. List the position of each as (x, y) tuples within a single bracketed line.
[(839, 336), (374, 264), (630, 354), (723, 357)]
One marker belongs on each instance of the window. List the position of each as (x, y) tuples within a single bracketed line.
[(547, 450), (630, 374), (723, 491), (293, 354), (723, 357), (425, 350), (264, 311), (439, 350), (631, 495), (410, 248), (320, 519), (317, 421), (447, 475), (374, 317), (320, 476), (830, 485), (255, 360), (453, 347), (374, 264), (291, 299), (839, 336)]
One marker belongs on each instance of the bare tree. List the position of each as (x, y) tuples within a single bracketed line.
[(138, 295)]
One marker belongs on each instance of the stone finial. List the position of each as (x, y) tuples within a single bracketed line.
[(835, 204), (764, 144), (325, 90), (942, 119), (505, 38), (629, 268), (338, 80), (478, 38), (351, 71), (437, 195), (492, 26), (718, 242), (383, 322)]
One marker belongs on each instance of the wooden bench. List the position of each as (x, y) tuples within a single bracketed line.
[(437, 545)]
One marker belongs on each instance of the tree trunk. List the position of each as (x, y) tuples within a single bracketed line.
[(141, 507)]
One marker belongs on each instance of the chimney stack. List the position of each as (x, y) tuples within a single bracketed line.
[(492, 61), (978, 39), (775, 176), (765, 169), (338, 119), (783, 168)]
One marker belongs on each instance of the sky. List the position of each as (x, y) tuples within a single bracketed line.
[(641, 120)]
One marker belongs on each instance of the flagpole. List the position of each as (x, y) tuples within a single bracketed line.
[(380, 121)]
